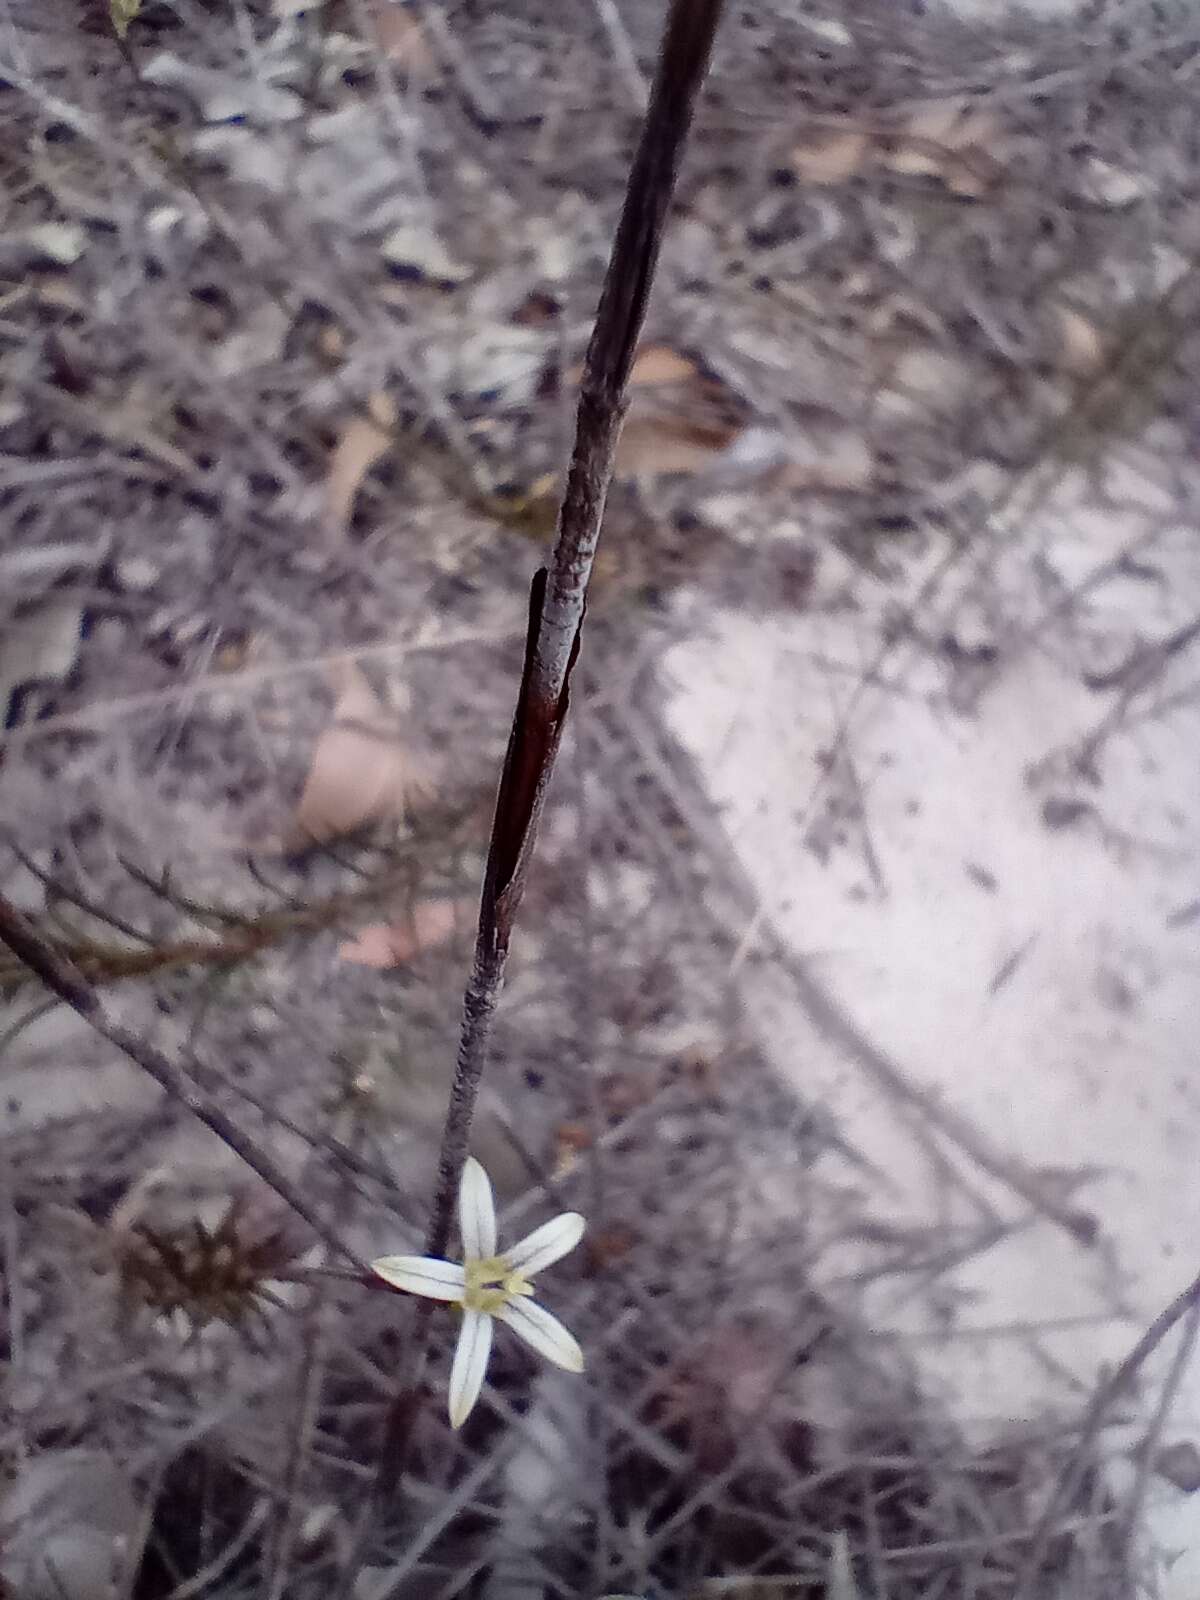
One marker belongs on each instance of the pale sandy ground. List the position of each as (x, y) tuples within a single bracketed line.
[(1084, 1057), (1020, 940)]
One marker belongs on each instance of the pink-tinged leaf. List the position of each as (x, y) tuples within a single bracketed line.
[(394, 944)]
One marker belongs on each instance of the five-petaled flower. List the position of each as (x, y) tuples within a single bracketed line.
[(490, 1287)]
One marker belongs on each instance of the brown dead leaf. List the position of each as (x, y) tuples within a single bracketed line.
[(657, 364), (402, 39), (655, 446), (654, 366), (363, 441), (832, 158), (331, 341), (680, 418), (951, 141), (394, 944), (361, 771), (607, 1246), (1081, 348)]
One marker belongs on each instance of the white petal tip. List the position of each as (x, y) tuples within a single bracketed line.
[(543, 1333), (423, 1275), (547, 1244), (469, 1365)]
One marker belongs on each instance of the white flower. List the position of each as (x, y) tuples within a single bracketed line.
[(490, 1287)]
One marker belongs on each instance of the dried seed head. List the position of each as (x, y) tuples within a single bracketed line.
[(208, 1274)]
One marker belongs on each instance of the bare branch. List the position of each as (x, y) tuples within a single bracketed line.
[(65, 980)]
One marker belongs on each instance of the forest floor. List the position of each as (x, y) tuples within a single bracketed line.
[(855, 995)]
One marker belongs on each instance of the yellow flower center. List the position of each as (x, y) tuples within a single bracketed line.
[(492, 1283)]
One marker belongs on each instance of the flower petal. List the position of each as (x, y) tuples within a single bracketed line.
[(476, 1212), (470, 1365), (543, 1333), (547, 1244), (437, 1280)]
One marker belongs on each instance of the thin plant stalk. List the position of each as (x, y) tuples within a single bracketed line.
[(559, 592), (558, 599)]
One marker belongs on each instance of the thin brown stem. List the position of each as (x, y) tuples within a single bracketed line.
[(558, 600), (559, 593)]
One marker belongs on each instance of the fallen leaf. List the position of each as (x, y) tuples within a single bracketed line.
[(680, 420), (825, 28), (418, 249), (225, 94), (394, 944), (971, 179), (952, 141), (1081, 349), (331, 341), (60, 242), (403, 40), (654, 366), (363, 441), (361, 771), (1115, 186), (654, 447), (659, 363), (832, 159), (922, 380), (607, 1246), (968, 175), (61, 295), (916, 160)]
